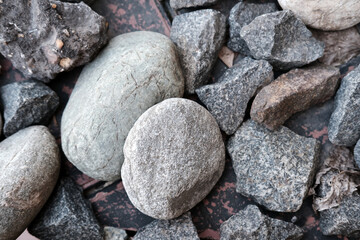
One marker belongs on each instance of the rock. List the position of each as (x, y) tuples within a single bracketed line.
[(294, 92), (240, 15), (27, 103), (29, 166), (276, 168), (250, 223), (357, 154), (344, 127), (282, 39), (176, 229), (42, 38), (227, 99), (67, 215), (134, 72), (178, 4), (174, 155), (88, 2), (112, 233), (201, 32), (326, 14)]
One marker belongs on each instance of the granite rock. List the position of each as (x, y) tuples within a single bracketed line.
[(29, 166), (357, 154), (112, 233), (198, 36), (282, 39), (178, 4), (174, 155), (227, 99), (134, 72)]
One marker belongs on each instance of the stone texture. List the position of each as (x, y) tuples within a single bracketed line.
[(178, 4), (276, 168), (29, 166), (176, 229), (357, 154), (43, 38), (112, 233), (294, 92), (27, 103), (227, 99), (174, 155), (282, 39), (66, 215), (250, 223), (198, 36), (134, 72)]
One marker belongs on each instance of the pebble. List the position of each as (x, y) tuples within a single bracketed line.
[(178, 4)]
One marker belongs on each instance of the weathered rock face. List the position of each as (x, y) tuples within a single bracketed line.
[(198, 36), (112, 233), (250, 223), (25, 104), (43, 38), (228, 98), (134, 72), (282, 39), (174, 155), (293, 92), (29, 166), (276, 168), (178, 4)]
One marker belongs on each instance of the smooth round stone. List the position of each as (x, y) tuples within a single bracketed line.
[(174, 155)]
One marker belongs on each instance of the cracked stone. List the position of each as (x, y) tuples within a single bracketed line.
[(112, 233), (178, 4)]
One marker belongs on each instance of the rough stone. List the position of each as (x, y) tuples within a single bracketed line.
[(227, 99), (276, 168), (27, 103), (176, 229), (178, 4), (174, 155), (134, 72), (66, 215), (250, 223), (357, 154), (198, 36), (42, 38), (282, 39), (112, 233), (294, 92), (29, 166)]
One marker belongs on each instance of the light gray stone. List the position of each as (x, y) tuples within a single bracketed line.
[(112, 233), (178, 4)]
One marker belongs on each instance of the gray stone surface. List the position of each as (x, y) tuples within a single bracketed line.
[(66, 215), (357, 154), (250, 223), (176, 229), (275, 168), (199, 36), (178, 4), (29, 167), (227, 99), (27, 103), (134, 72), (112, 233), (174, 155), (282, 39)]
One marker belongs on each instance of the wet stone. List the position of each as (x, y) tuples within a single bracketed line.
[(178, 4)]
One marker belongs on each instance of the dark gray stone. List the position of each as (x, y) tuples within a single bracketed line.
[(112, 233), (178, 4), (282, 39), (227, 99), (357, 154)]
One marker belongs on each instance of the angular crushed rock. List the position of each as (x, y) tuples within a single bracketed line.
[(112, 233), (276, 168), (198, 36), (282, 39), (228, 98), (178, 4)]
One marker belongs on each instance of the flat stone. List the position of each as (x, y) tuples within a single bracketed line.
[(178, 4), (282, 39), (227, 99), (275, 168), (294, 92), (29, 166), (199, 36), (43, 38), (112, 233), (134, 72), (250, 223), (27, 103), (174, 155)]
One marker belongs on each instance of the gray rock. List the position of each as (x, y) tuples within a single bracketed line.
[(112, 233), (250, 223), (276, 168), (357, 154), (88, 2), (42, 38), (227, 99), (134, 72), (29, 166), (198, 36), (66, 215), (27, 103), (174, 155), (176, 229), (178, 4), (282, 39)]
